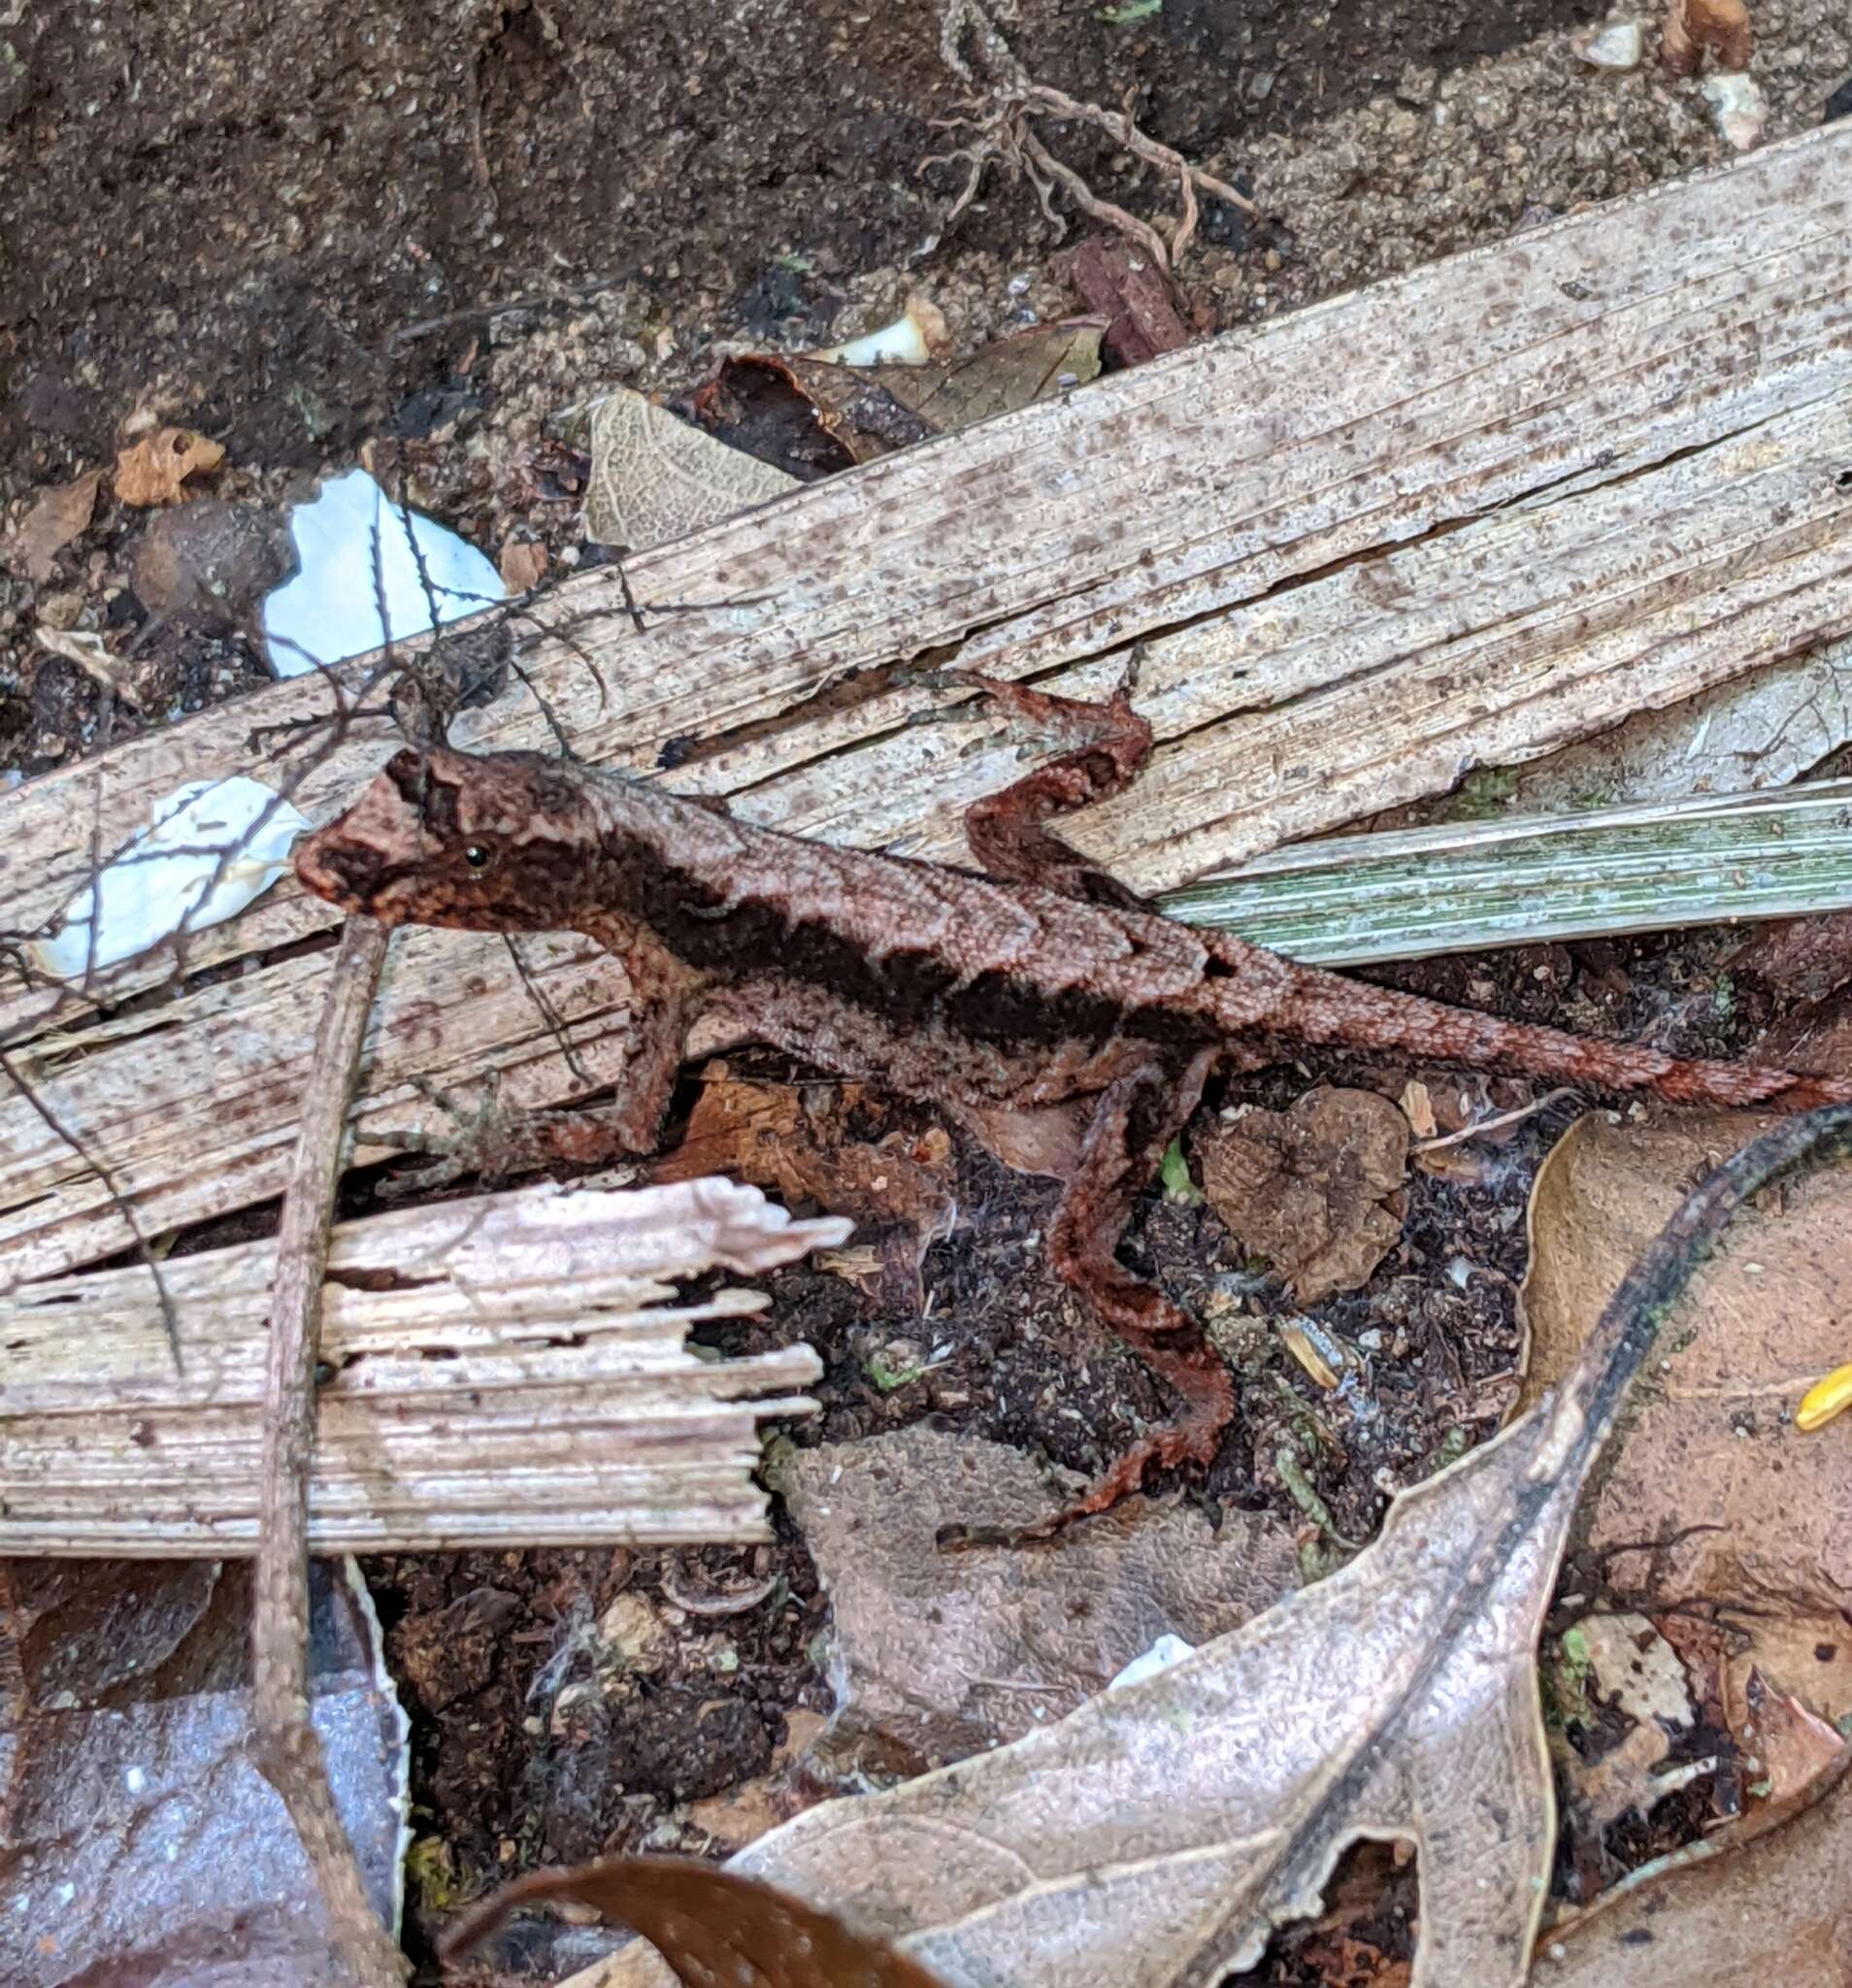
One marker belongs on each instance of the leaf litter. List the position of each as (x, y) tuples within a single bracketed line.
[(1715, 1513), (55, 518), (934, 1658), (1157, 1836), (807, 1145), (1309, 1188), (138, 1840)]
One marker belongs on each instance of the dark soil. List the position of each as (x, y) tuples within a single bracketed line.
[(256, 209)]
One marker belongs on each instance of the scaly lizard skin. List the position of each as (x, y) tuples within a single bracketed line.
[(1042, 982)]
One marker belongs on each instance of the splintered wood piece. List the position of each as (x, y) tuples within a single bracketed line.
[(504, 1372)]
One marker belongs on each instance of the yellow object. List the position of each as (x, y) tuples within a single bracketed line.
[(1825, 1399)]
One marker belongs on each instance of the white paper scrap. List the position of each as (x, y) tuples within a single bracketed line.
[(214, 846), (331, 609)]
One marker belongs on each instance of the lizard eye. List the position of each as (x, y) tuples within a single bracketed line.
[(476, 855)]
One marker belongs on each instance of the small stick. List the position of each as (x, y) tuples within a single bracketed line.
[(1480, 1125), (288, 1751)]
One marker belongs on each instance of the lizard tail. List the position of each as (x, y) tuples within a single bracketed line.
[(1322, 1006)]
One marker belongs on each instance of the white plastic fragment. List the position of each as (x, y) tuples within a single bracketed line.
[(213, 847), (912, 340), (1169, 1650), (1737, 104), (331, 609), (1618, 45)]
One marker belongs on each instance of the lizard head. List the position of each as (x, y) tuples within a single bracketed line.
[(443, 838)]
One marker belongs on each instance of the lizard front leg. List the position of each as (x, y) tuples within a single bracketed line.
[(1133, 1120), (495, 1143), (1111, 743)]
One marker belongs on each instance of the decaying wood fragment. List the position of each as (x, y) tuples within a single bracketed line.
[(503, 1370)]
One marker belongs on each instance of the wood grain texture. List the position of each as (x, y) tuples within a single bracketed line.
[(508, 1371), (1457, 520)]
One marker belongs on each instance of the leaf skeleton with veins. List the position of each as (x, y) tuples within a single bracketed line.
[(1040, 981)]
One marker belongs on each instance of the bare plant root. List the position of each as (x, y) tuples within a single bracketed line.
[(1003, 123)]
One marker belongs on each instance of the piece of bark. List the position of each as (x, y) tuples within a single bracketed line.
[(1131, 295)]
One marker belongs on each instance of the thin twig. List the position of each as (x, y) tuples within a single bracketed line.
[(1480, 1125), (288, 1751)]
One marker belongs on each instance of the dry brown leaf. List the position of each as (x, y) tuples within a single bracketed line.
[(522, 564), (1032, 1139), (1710, 1498), (1157, 1836), (1792, 1753), (1710, 1495), (154, 468), (1304, 1187), (138, 1840), (799, 1143), (937, 1657), (1779, 1910), (813, 415), (655, 477), (56, 518), (1690, 25), (711, 1925)]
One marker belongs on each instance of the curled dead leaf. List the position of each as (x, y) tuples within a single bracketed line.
[(522, 564), (153, 470), (813, 417), (55, 517), (1711, 1496), (1692, 25), (1305, 1187), (711, 1925)]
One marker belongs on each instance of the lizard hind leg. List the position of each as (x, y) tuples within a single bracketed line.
[(1108, 744), (1133, 1121)]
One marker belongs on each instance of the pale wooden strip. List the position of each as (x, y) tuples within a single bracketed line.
[(1459, 519), (1523, 880), (508, 1371)]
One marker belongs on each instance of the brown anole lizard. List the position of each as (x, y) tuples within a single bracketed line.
[(1041, 981)]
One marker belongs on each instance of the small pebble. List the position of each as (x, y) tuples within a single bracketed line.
[(1617, 45), (1737, 104)]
